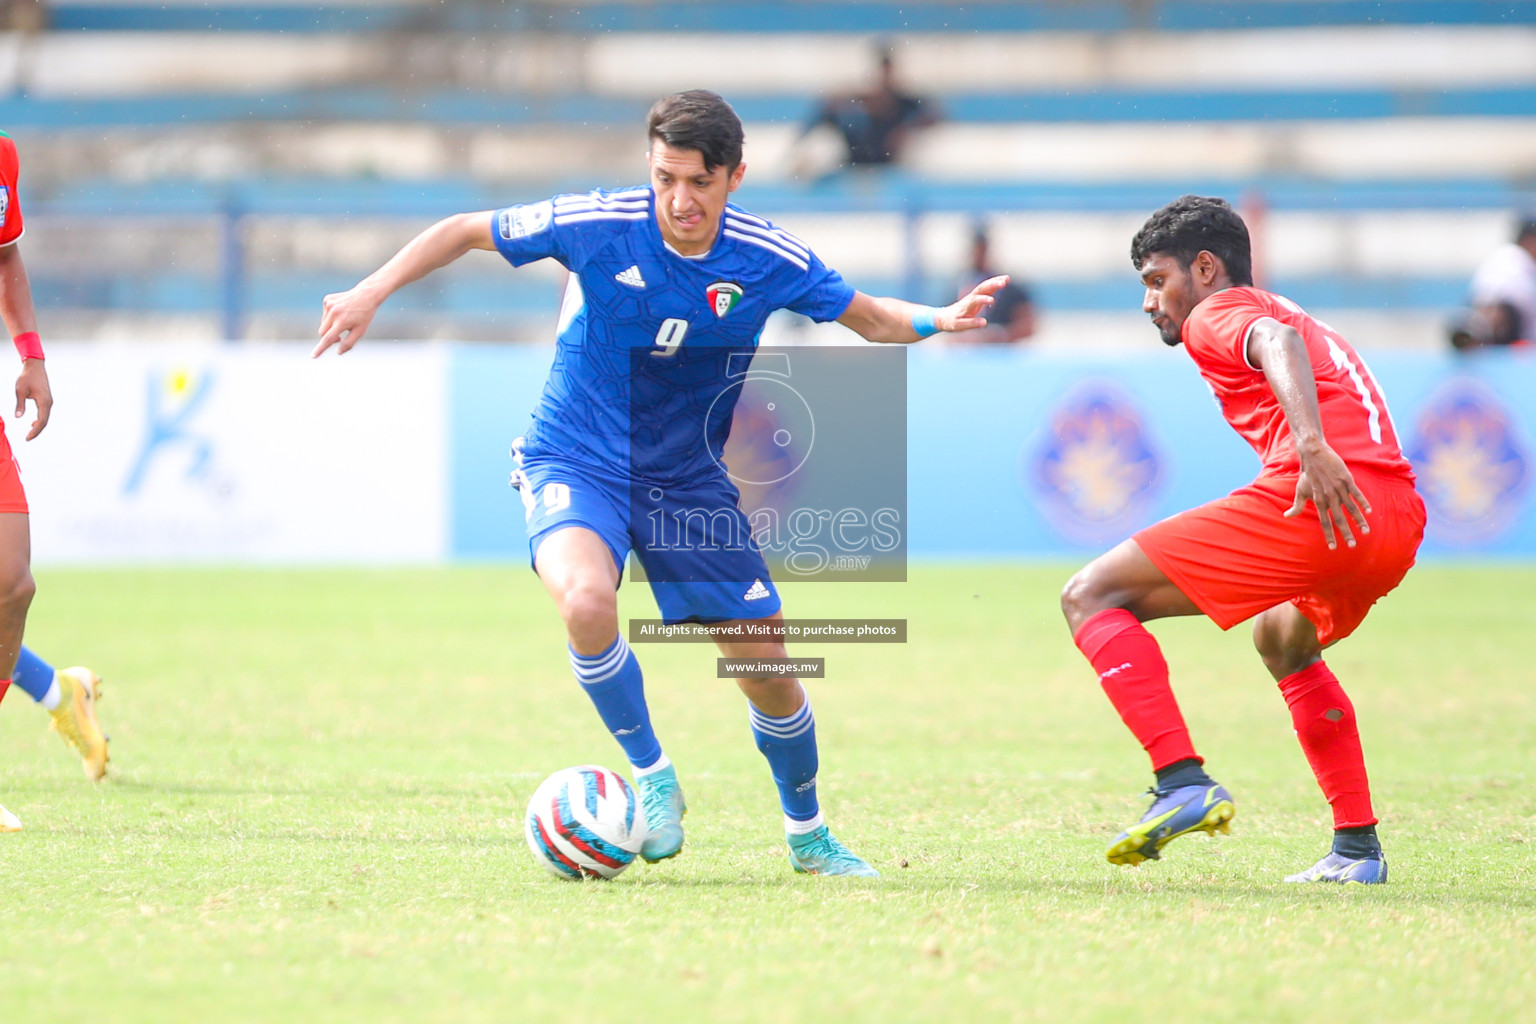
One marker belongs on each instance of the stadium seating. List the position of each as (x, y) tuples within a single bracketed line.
[(267, 151)]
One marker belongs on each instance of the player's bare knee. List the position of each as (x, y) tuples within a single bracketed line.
[(776, 696), (1071, 596), (591, 615), (762, 651), (1264, 639), (1082, 597), (16, 590), (1286, 641)]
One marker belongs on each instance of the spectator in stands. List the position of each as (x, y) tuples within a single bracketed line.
[(1012, 316), (876, 123), (20, 23), (1503, 296), (30, 16)]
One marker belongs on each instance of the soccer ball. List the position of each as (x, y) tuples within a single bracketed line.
[(585, 822)]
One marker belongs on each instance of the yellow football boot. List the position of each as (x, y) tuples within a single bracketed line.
[(9, 822), (75, 719)]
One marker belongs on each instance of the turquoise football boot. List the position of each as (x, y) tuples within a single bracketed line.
[(662, 799), (820, 853)]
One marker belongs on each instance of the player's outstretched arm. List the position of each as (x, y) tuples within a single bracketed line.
[(346, 315), (1325, 479), (893, 320), (21, 320)]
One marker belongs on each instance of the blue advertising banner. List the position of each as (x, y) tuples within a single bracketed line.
[(1014, 453), (1467, 425), (492, 390)]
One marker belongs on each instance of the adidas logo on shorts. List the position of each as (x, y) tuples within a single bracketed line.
[(630, 277), (756, 592)]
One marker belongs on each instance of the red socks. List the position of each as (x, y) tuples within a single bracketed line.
[(1325, 725), (1135, 677), (5, 684)]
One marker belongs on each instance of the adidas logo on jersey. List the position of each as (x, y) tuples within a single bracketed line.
[(630, 277), (757, 592)]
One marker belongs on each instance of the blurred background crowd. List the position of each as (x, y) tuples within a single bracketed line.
[(209, 170)]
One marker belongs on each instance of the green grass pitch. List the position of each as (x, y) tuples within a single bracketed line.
[(318, 781)]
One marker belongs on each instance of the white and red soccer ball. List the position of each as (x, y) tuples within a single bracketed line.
[(585, 822)]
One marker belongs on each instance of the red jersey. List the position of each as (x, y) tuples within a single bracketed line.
[(10, 203), (1355, 421)]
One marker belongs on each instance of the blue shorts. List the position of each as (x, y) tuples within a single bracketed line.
[(692, 541)]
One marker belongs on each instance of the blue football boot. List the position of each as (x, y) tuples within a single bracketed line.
[(820, 853), (1174, 813), (662, 799), (1345, 870)]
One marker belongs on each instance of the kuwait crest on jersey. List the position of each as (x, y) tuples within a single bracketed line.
[(723, 296)]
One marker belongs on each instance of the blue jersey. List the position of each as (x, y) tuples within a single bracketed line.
[(647, 335)]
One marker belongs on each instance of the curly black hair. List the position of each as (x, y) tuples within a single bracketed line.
[(1191, 225), (699, 120)]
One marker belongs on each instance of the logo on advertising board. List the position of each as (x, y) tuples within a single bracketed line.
[(1472, 465), (1096, 472), (172, 403)]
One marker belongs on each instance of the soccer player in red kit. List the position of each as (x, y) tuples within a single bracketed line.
[(1330, 526), (69, 695)]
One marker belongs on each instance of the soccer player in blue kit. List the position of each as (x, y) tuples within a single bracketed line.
[(665, 280)]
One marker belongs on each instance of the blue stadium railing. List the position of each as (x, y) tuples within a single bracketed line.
[(864, 16), (230, 288), (1102, 105), (891, 191), (496, 294)]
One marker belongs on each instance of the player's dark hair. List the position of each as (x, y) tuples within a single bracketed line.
[(1526, 230), (1191, 225), (701, 121)]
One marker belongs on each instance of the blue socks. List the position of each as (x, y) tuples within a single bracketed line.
[(33, 675), (789, 744), (616, 686)]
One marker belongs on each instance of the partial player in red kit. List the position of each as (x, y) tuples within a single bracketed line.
[(1332, 524), (68, 695)]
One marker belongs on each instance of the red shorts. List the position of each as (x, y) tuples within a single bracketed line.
[(1238, 556), (12, 497)]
